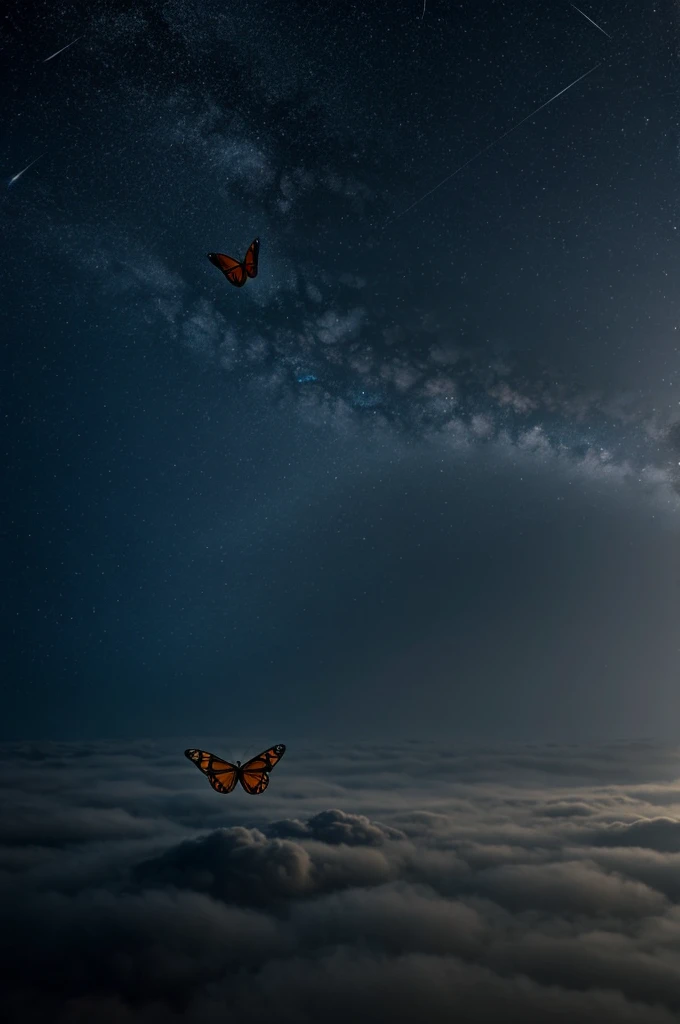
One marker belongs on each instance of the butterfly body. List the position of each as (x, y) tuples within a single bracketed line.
[(223, 775), (237, 272)]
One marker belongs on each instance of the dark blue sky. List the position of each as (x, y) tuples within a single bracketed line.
[(421, 474)]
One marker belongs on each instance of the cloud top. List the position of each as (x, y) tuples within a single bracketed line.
[(530, 884)]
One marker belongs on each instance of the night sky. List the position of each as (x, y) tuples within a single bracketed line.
[(421, 474), (408, 502)]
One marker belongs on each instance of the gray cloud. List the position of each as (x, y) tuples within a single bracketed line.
[(336, 827), (526, 884), (660, 833)]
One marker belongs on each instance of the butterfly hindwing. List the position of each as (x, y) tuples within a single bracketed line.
[(254, 774), (250, 261), (222, 775)]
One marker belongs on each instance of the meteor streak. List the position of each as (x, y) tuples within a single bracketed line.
[(17, 176), (62, 50), (590, 20), (494, 143)]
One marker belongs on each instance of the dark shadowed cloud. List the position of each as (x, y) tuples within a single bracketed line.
[(526, 884)]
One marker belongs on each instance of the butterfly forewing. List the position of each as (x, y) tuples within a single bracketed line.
[(222, 775), (234, 271), (250, 262), (254, 774)]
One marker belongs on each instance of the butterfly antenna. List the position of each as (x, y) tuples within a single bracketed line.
[(241, 750)]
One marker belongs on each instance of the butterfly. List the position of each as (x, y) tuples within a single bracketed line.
[(237, 273), (223, 775)]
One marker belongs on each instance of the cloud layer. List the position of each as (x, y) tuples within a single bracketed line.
[(527, 884)]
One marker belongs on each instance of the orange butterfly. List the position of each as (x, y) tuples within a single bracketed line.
[(237, 273), (223, 775)]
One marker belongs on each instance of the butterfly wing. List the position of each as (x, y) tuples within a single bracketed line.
[(234, 271), (250, 261), (254, 774), (222, 775)]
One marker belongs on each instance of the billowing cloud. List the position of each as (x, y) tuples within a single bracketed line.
[(529, 884), (336, 827), (658, 833)]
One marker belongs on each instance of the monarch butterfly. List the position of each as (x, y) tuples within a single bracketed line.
[(223, 775), (237, 273)]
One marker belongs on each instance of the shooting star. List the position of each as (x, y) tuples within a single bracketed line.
[(424, 6), (590, 20), (26, 168), (492, 144), (62, 50)]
